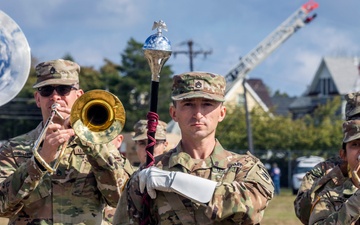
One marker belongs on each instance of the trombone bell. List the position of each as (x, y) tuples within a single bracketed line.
[(97, 116)]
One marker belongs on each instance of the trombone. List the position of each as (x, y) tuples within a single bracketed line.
[(97, 117), (354, 173)]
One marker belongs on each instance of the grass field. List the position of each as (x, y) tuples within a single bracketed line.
[(279, 212)]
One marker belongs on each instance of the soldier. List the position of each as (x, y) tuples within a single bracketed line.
[(198, 182), (317, 177), (88, 176), (141, 139), (338, 200), (108, 210)]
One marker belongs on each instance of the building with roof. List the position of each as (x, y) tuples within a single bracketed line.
[(335, 76)]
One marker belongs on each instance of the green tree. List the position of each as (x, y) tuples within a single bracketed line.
[(318, 134)]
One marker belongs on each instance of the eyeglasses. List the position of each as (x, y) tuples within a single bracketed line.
[(144, 143), (62, 90)]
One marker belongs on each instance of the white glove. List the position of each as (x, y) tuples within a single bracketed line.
[(196, 188)]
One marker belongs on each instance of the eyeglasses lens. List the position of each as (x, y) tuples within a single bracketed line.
[(62, 90)]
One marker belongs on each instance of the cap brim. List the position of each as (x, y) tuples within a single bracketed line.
[(351, 138), (54, 81), (145, 137), (140, 137), (198, 94), (353, 112)]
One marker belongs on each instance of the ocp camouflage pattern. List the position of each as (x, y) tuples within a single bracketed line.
[(198, 84), (351, 130), (337, 202), (310, 185), (88, 178), (244, 191)]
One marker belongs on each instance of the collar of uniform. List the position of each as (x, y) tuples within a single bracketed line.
[(218, 158)]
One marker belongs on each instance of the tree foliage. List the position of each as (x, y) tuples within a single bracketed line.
[(319, 134)]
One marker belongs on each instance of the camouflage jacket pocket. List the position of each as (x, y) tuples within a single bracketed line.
[(85, 183), (40, 193)]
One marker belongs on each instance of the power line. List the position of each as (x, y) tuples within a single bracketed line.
[(191, 53)]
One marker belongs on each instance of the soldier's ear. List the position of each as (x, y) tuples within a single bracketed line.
[(342, 154)]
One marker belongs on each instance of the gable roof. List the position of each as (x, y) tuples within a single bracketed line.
[(343, 74), (260, 89), (343, 71)]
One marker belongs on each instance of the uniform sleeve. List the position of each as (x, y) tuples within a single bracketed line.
[(245, 198), (111, 170), (121, 216), (327, 211), (311, 182), (129, 209), (18, 181), (303, 200)]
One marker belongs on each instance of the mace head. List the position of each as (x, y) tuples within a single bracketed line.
[(157, 49), (157, 41)]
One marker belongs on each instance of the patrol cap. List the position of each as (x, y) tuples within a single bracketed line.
[(198, 85), (140, 129), (351, 129), (352, 105), (59, 71)]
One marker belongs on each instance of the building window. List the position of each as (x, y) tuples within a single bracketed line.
[(325, 87), (240, 99)]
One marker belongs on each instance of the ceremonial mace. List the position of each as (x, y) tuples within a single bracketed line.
[(157, 50)]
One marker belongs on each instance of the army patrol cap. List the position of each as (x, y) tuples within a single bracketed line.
[(140, 129), (198, 85), (59, 71), (351, 129), (352, 105)]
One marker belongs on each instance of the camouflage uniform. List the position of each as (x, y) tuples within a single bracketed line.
[(242, 178), (337, 199), (140, 130), (311, 183), (88, 177), (244, 187), (314, 179)]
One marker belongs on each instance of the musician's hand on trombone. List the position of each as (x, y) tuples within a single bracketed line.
[(58, 133), (62, 113)]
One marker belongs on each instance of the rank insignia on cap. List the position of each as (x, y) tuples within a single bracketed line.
[(198, 84)]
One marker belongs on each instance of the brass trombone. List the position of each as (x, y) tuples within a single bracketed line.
[(354, 173), (97, 117)]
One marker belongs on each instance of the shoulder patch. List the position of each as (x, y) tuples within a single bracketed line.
[(264, 175)]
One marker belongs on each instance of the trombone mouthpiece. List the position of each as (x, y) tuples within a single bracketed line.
[(358, 158), (54, 106)]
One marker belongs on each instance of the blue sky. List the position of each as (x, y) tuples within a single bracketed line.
[(91, 30)]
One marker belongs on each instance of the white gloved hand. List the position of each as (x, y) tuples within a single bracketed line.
[(196, 188), (155, 179)]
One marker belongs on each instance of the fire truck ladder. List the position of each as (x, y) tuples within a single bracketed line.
[(247, 63)]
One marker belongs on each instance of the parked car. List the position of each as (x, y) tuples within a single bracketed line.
[(303, 165)]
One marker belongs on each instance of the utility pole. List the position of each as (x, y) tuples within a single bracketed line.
[(248, 120), (191, 52)]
